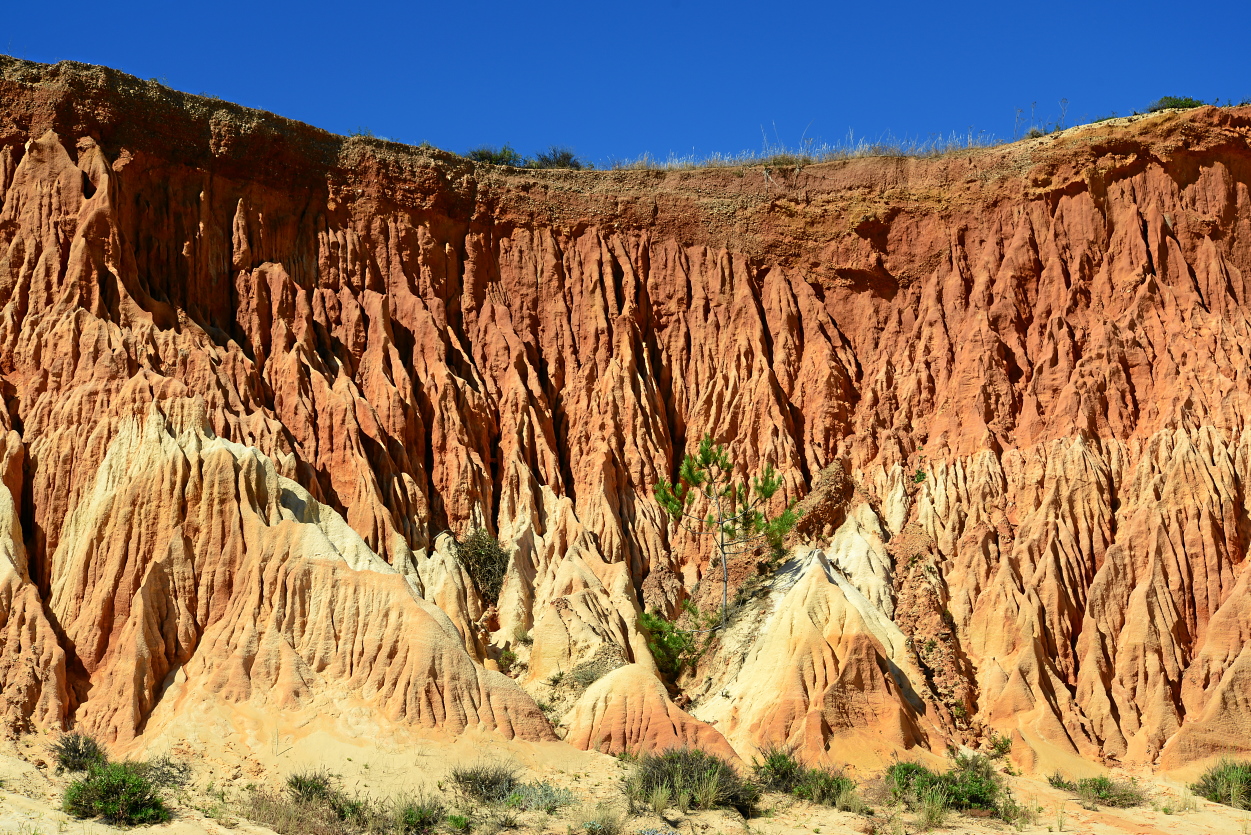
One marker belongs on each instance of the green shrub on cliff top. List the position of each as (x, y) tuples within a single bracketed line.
[(1169, 102), (496, 156)]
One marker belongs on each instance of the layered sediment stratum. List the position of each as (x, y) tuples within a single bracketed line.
[(255, 374)]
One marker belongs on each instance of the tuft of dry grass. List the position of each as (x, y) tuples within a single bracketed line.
[(809, 152), (290, 817)]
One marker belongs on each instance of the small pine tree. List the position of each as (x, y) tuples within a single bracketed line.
[(732, 513)]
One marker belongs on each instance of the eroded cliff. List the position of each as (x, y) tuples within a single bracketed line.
[(254, 373)]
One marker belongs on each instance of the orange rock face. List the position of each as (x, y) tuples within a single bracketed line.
[(253, 374)]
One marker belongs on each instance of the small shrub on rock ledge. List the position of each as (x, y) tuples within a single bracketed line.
[(485, 560)]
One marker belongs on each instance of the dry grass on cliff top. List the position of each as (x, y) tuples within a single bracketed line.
[(786, 204), (113, 101)]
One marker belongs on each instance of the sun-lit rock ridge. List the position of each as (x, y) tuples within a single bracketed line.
[(256, 377)]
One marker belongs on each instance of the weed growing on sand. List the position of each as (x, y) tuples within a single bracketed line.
[(606, 820), (119, 793), (314, 802), (310, 785), (933, 805), (288, 817), (166, 772), (584, 675), (486, 782), (691, 778), (485, 560), (541, 795), (457, 823), (1227, 782), (829, 787), (1093, 792), (417, 815), (780, 771), (971, 783), (77, 752)]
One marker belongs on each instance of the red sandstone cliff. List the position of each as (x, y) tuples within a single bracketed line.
[(251, 373)]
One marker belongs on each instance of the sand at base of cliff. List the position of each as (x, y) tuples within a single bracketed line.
[(231, 752)]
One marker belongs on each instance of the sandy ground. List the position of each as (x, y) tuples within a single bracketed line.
[(228, 756)]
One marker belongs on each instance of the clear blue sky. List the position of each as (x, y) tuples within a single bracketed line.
[(615, 80)]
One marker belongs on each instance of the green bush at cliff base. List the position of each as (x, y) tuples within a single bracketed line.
[(1227, 782), (972, 782), (119, 793), (487, 782), (696, 778), (1102, 791)]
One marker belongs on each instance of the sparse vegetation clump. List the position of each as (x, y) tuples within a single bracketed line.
[(78, 752), (1093, 792), (778, 770), (556, 157), (485, 560), (542, 796), (314, 801), (1170, 102), (829, 787), (671, 647), (118, 793), (505, 155), (781, 771), (286, 816), (606, 820), (971, 783), (310, 785), (124, 793), (417, 815), (709, 499), (1227, 782), (486, 782), (166, 772), (689, 777)]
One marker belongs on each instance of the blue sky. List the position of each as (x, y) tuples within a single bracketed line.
[(614, 81)]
